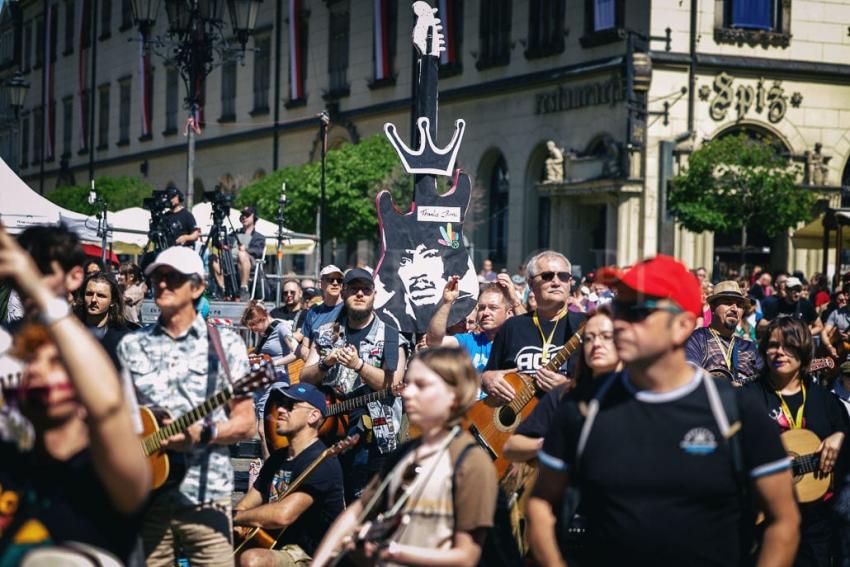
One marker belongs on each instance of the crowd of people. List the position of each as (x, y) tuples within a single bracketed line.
[(645, 415)]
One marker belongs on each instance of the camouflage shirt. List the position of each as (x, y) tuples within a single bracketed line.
[(172, 374)]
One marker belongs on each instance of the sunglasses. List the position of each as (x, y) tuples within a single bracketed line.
[(285, 292), (171, 278), (332, 280), (549, 276), (367, 291), (290, 405), (636, 312)]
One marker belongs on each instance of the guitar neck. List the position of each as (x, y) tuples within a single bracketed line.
[(359, 401), (805, 464), (152, 442)]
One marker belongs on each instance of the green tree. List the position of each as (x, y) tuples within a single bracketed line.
[(354, 174), (735, 183), (119, 192)]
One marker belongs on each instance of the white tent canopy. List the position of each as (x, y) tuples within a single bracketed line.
[(21, 207)]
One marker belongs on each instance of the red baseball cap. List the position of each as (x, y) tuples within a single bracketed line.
[(662, 277)]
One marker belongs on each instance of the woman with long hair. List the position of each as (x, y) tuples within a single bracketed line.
[(794, 401), (134, 289), (440, 487)]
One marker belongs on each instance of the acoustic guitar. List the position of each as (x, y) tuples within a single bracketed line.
[(802, 445), (491, 421), (336, 424), (816, 365), (257, 536), (261, 375)]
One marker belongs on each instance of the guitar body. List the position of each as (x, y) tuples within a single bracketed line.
[(800, 443), (259, 539), (159, 462), (492, 422)]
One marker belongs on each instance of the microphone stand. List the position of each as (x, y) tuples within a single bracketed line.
[(281, 205), (102, 227)]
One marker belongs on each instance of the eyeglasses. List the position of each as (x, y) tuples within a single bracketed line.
[(549, 276), (337, 281), (367, 291), (636, 312), (172, 278), (603, 338), (291, 405), (293, 292)]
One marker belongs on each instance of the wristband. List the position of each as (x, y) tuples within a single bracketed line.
[(54, 310), (323, 367), (208, 434), (362, 364)]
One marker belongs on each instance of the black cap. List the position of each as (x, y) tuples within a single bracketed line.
[(310, 293), (358, 274), (249, 211), (174, 192), (304, 392)]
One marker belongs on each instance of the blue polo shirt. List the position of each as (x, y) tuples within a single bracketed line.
[(478, 346)]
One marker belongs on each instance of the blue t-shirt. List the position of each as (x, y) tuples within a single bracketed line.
[(317, 316), (478, 346)]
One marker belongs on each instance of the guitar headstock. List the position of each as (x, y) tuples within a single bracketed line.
[(821, 363), (260, 375), (343, 445), (427, 21), (398, 389)]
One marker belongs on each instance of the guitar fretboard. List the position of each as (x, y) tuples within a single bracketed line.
[(359, 401), (805, 464), (152, 442), (529, 390)]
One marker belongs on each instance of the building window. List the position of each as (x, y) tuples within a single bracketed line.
[(545, 28), (754, 22), (126, 15), (37, 135), (147, 127), (451, 15), (172, 89), (228, 92), (262, 74), (25, 141), (39, 42), (124, 112), (27, 47), (500, 186), (384, 25), (103, 117), (494, 34), (70, 20), (54, 32), (338, 48), (67, 124), (105, 20), (603, 22)]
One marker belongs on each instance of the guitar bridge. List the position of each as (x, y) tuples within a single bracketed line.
[(483, 442)]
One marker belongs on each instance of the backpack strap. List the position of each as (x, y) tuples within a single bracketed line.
[(724, 405), (455, 467)]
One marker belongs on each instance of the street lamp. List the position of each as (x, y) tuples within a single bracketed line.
[(195, 45), (17, 88)]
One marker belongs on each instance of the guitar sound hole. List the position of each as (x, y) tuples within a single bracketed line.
[(507, 416)]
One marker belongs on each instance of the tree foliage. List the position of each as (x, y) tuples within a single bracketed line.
[(354, 175), (119, 192), (734, 182)]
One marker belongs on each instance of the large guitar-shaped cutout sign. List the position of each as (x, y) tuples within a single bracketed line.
[(422, 248)]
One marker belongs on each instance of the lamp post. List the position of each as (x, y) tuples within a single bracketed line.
[(17, 88), (196, 43)]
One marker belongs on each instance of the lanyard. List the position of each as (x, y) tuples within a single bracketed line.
[(796, 423), (544, 356), (727, 352)]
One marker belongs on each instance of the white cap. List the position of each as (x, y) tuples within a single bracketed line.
[(793, 282), (330, 269), (183, 259)]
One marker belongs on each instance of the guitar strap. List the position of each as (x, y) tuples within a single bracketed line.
[(215, 354), (734, 368)]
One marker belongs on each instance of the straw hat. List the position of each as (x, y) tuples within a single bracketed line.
[(728, 289)]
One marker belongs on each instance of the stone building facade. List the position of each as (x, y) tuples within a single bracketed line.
[(624, 90)]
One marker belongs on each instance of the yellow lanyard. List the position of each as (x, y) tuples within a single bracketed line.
[(798, 422), (727, 353), (544, 356)]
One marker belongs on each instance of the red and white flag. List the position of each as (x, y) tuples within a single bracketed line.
[(382, 39), (144, 84), (296, 78), (47, 95), (446, 14), (82, 75)]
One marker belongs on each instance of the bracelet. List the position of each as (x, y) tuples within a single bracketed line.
[(208, 434), (362, 364), (54, 310), (322, 366)]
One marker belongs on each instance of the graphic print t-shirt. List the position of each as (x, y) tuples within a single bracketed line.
[(518, 343), (324, 484), (657, 482)]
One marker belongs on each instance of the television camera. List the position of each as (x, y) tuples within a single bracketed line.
[(159, 231)]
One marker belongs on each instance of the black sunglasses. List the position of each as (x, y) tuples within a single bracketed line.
[(549, 276), (636, 312), (367, 291), (171, 278), (332, 280)]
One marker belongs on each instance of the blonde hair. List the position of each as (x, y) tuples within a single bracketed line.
[(454, 366)]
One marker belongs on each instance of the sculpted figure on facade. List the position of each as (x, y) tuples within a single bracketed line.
[(554, 164), (817, 168)]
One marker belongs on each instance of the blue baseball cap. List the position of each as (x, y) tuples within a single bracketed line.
[(303, 392)]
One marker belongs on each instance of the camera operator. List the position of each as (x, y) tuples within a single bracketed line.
[(183, 230), (246, 246)]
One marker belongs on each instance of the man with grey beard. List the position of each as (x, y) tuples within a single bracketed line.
[(353, 355), (718, 348)]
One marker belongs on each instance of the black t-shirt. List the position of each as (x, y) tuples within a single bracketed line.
[(58, 501), (541, 417), (518, 343), (324, 484), (657, 482), (180, 223), (297, 316), (774, 306)]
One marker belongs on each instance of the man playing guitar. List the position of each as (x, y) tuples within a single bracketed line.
[(836, 330), (527, 342), (307, 513)]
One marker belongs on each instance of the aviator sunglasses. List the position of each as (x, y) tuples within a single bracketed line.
[(549, 276)]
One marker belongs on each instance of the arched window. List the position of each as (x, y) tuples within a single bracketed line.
[(499, 189)]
